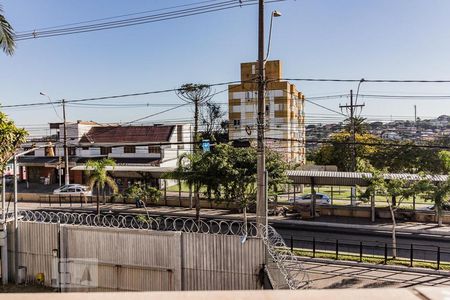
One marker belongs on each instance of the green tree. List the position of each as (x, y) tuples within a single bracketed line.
[(444, 156), (11, 138), (99, 177), (438, 193), (6, 35), (228, 173), (359, 124), (212, 115), (192, 168), (339, 151), (395, 191), (408, 157), (144, 192)]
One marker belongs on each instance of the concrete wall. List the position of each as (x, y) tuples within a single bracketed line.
[(138, 260), (35, 244), (381, 213)]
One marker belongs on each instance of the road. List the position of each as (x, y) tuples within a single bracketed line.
[(424, 246)]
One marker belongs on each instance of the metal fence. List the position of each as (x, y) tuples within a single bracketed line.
[(381, 252), (290, 267), (130, 259), (59, 200)]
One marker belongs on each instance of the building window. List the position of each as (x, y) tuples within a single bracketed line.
[(105, 150), (129, 149), (236, 122), (72, 151), (179, 133), (154, 149)]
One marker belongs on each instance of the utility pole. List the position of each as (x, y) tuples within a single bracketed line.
[(415, 115), (196, 111), (352, 108), (261, 194), (66, 154)]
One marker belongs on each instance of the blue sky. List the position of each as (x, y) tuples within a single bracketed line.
[(372, 39)]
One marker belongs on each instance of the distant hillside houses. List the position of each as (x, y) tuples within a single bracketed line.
[(396, 130)]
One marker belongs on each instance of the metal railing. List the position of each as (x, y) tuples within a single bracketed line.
[(380, 252)]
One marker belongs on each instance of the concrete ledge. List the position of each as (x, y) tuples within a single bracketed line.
[(342, 294)]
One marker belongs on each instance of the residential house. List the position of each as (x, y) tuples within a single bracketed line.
[(140, 152)]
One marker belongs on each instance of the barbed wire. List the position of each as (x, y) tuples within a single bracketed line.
[(289, 265)]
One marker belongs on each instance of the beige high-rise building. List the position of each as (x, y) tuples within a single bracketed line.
[(285, 121)]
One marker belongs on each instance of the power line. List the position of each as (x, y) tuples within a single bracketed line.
[(202, 9), (324, 107), (367, 80), (68, 101), (365, 143), (113, 17)]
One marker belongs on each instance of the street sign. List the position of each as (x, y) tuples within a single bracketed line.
[(206, 146)]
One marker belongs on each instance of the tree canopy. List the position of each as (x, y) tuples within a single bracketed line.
[(229, 173), (7, 42), (11, 138)]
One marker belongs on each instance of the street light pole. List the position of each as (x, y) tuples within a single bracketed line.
[(261, 194), (274, 14), (66, 154), (4, 252), (16, 233)]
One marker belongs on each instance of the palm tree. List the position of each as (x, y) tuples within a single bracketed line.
[(98, 176), (6, 35)]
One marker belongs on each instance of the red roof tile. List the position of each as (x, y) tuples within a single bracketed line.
[(127, 134)]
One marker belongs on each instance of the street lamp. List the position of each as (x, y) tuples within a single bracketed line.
[(275, 14), (16, 240), (261, 180)]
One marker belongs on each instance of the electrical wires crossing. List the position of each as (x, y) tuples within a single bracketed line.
[(151, 16)]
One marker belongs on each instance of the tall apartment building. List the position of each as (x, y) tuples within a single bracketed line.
[(285, 121)]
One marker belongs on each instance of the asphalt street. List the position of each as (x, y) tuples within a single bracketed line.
[(373, 243)]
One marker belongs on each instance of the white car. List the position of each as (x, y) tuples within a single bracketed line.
[(321, 199), (73, 190)]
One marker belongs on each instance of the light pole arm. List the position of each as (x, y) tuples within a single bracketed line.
[(270, 37)]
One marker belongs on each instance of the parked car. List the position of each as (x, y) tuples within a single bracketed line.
[(73, 190), (445, 207), (321, 199)]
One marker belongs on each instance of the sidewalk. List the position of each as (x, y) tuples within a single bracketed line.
[(291, 220)]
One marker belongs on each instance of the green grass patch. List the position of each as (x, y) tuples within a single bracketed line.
[(378, 260)]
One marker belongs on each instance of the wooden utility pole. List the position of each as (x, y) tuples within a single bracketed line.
[(352, 107), (261, 193)]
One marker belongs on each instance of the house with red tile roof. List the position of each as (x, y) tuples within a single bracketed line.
[(138, 150)]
